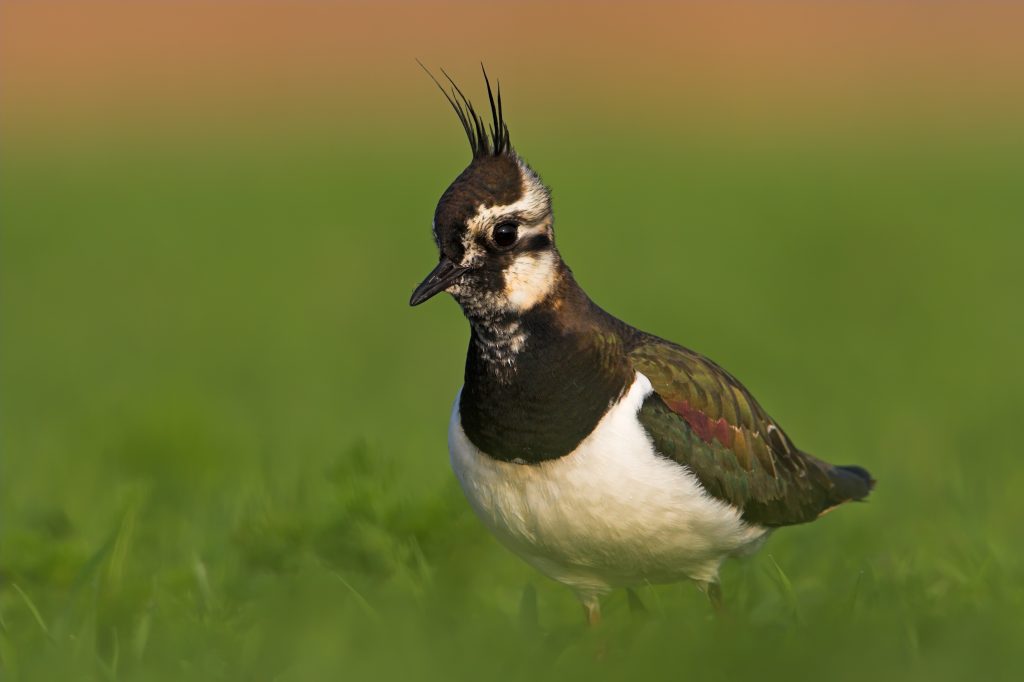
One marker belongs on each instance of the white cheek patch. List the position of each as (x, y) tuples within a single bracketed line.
[(530, 279)]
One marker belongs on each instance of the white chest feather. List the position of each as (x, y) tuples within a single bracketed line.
[(611, 513)]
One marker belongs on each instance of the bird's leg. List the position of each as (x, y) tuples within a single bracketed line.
[(592, 611), (714, 592), (715, 595)]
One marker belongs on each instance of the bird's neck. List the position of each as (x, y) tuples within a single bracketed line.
[(537, 382), (501, 335), (498, 339)]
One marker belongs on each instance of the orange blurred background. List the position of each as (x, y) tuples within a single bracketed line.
[(66, 62)]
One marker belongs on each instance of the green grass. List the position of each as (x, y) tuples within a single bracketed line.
[(223, 430)]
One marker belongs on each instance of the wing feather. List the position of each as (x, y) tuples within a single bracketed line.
[(703, 418)]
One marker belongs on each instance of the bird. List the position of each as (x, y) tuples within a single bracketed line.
[(604, 456)]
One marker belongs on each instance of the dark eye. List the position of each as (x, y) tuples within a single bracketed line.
[(505, 234)]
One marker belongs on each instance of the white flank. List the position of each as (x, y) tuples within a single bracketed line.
[(611, 513)]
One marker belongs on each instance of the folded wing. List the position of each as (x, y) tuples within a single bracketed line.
[(703, 418)]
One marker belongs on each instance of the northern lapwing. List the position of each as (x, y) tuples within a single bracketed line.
[(602, 455)]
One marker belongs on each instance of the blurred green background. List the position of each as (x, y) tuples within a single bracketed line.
[(223, 431)]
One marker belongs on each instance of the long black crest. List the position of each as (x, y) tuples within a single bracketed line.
[(484, 141)]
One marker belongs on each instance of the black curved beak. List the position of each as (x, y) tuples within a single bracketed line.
[(437, 281)]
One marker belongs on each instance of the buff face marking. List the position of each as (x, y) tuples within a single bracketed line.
[(508, 280)]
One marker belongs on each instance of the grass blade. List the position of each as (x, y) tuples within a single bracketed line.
[(33, 610), (786, 590)]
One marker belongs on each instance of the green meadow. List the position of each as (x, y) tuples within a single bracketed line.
[(224, 431)]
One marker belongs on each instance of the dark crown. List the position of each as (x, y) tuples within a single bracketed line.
[(483, 141)]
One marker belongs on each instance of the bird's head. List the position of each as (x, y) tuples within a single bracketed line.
[(493, 225)]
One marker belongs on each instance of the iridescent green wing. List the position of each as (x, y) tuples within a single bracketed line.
[(703, 418)]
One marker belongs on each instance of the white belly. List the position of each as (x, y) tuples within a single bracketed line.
[(611, 513)]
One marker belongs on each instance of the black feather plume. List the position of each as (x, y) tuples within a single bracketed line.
[(484, 141)]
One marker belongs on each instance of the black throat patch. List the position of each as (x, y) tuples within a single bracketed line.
[(537, 385)]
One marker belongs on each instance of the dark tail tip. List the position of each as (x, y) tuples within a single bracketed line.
[(852, 482)]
